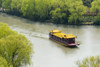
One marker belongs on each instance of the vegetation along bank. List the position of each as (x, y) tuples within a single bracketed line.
[(15, 49), (56, 11)]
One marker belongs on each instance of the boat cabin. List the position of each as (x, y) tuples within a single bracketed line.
[(58, 36)]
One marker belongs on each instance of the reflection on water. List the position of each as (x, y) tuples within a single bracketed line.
[(49, 53)]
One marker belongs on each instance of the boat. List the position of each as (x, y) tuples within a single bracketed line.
[(63, 39)]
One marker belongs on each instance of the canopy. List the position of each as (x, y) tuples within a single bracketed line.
[(62, 35), (55, 31)]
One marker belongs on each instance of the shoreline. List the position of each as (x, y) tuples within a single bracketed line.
[(46, 21)]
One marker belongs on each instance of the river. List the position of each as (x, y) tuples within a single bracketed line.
[(50, 54)]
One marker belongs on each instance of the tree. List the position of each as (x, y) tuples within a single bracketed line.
[(95, 6), (28, 8), (3, 62), (58, 16), (93, 61), (87, 2), (68, 11), (97, 20), (60, 11), (77, 9), (6, 4), (14, 47), (0, 3), (43, 8), (5, 30)]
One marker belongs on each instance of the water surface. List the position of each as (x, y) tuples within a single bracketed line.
[(50, 54)]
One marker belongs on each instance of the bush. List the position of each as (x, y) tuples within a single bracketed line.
[(93, 61), (14, 47), (3, 62), (5, 30), (97, 20)]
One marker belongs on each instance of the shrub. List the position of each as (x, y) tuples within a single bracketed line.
[(93, 61), (15, 48)]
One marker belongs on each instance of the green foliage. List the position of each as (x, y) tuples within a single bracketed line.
[(16, 4), (68, 11), (3, 62), (95, 6), (87, 2), (5, 30), (97, 20), (6, 4), (0, 3), (42, 8), (27, 7), (58, 15), (90, 62), (77, 9), (60, 11), (14, 47)]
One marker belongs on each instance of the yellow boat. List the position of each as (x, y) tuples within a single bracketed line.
[(63, 39)]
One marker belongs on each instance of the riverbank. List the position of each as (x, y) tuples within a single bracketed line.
[(6, 11), (46, 21), (87, 23), (54, 11)]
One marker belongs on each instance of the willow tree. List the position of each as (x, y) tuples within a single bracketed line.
[(58, 15), (5, 30), (97, 19), (60, 12), (14, 47), (3, 62), (43, 8), (28, 8), (93, 61), (87, 2), (68, 11), (6, 4), (77, 9), (0, 3), (16, 7), (95, 7), (16, 4)]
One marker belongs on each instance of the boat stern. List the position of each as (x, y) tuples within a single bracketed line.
[(74, 45)]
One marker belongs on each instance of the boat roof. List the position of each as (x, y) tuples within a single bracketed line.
[(55, 31), (62, 35)]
